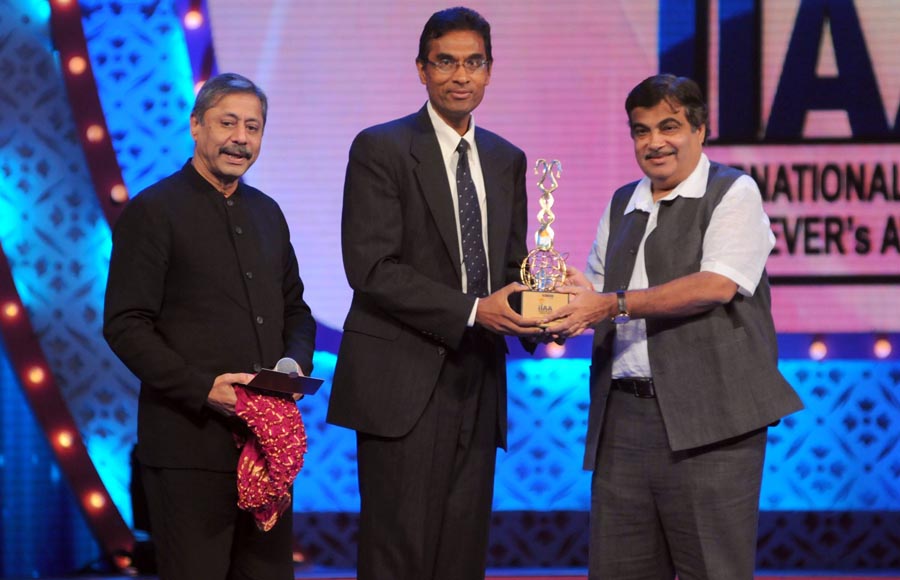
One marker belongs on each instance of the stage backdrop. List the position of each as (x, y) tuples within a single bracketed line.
[(806, 99)]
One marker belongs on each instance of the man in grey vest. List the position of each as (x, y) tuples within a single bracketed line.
[(684, 377)]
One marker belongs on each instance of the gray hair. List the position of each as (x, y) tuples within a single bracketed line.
[(226, 84)]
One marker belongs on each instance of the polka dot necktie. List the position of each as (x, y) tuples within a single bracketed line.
[(470, 226)]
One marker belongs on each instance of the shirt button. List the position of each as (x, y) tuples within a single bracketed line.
[(259, 320), (249, 275), (441, 350), (238, 230), (229, 202), (257, 367)]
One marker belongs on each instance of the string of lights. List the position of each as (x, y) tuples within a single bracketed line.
[(52, 412), (23, 346)]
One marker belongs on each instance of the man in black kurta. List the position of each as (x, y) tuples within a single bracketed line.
[(203, 291)]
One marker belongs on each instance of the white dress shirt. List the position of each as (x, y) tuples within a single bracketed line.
[(736, 245), (448, 139)]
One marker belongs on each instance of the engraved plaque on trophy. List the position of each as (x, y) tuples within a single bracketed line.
[(544, 269)]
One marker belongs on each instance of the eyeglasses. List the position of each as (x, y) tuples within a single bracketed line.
[(472, 65)]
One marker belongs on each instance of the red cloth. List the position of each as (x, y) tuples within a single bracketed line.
[(272, 455)]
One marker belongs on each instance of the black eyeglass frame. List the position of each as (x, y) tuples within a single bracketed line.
[(472, 65)]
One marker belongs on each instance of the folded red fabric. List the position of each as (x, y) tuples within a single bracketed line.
[(271, 456)]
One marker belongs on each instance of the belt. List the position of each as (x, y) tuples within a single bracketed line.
[(639, 387)]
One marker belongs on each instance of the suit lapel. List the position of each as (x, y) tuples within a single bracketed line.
[(432, 177), (498, 193)]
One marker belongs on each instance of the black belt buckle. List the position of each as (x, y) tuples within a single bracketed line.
[(642, 388)]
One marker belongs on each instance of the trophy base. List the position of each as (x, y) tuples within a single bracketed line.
[(541, 304)]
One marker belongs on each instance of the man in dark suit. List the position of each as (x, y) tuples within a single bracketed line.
[(434, 225), (684, 378), (204, 290)]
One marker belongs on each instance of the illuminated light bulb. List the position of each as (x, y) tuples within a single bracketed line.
[(118, 193), (11, 310), (818, 350), (65, 439), (882, 348), (96, 501), (123, 560), (36, 376), (193, 19), (77, 65), (63, 3), (95, 133), (555, 350)]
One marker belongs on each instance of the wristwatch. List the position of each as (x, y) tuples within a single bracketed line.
[(622, 317)]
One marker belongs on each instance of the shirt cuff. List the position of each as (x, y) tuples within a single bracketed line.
[(471, 321)]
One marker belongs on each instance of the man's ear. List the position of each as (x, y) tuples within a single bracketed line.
[(420, 66), (195, 127)]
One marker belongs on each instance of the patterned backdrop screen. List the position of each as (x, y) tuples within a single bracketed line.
[(812, 114), (803, 94)]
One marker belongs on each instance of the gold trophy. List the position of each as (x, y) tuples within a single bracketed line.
[(544, 269)]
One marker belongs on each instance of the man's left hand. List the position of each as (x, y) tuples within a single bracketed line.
[(585, 309)]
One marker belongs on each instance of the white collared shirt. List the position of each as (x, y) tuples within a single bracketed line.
[(736, 245), (448, 139)]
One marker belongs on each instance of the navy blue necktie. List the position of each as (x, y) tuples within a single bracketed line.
[(470, 226)]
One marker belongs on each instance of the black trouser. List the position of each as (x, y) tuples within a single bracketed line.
[(426, 496), (199, 532)]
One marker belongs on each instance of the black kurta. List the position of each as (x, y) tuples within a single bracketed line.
[(200, 285)]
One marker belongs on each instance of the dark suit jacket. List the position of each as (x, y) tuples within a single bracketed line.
[(200, 285), (401, 256)]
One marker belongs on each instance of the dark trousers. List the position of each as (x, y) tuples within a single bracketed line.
[(655, 513), (199, 532), (426, 497)]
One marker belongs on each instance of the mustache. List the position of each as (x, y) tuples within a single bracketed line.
[(659, 153), (238, 150)]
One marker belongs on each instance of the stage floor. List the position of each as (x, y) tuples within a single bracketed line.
[(544, 574)]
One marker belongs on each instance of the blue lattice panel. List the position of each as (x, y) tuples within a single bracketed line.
[(841, 452), (542, 470), (57, 242), (551, 539), (838, 454), (812, 541), (145, 82), (517, 539), (548, 404), (328, 479), (859, 540), (42, 531), (327, 538)]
